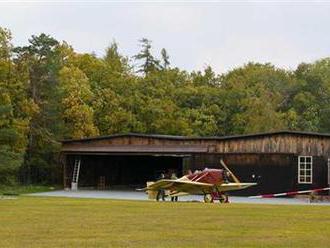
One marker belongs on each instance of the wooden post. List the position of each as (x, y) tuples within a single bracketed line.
[(64, 166)]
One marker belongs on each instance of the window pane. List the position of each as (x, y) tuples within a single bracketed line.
[(305, 166)]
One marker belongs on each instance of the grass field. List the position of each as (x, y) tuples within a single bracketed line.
[(25, 189), (64, 222)]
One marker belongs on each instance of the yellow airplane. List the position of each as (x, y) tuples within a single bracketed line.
[(211, 183)]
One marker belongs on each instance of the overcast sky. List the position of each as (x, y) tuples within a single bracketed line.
[(223, 35)]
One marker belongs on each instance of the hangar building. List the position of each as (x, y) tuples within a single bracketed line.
[(278, 161)]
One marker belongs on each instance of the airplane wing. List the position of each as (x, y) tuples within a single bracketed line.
[(194, 189), (185, 187), (234, 186), (160, 184), (177, 186)]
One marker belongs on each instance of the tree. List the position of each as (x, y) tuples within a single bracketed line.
[(255, 98), (260, 113), (165, 58), (207, 77), (115, 62), (15, 113), (41, 60), (10, 158), (149, 62), (314, 95), (76, 96)]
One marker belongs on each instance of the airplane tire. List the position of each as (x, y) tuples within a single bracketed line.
[(224, 198), (208, 198)]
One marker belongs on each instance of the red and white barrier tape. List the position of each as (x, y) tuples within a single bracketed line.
[(289, 193)]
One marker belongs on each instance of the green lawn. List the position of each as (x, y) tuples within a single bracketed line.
[(64, 222), (25, 189)]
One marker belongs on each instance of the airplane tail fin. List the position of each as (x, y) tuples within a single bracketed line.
[(230, 173)]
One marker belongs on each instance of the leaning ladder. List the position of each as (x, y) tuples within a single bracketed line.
[(75, 175)]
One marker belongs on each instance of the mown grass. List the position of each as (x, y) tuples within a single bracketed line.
[(64, 222), (24, 189)]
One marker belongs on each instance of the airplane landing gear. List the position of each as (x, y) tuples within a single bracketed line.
[(223, 198), (210, 198)]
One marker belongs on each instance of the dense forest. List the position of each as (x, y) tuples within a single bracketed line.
[(50, 92)]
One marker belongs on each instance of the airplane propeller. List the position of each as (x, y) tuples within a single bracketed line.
[(230, 173)]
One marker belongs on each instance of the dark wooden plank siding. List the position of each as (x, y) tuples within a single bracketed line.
[(274, 173), (293, 144), (285, 143), (319, 174)]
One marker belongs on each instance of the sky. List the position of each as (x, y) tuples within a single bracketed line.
[(224, 34)]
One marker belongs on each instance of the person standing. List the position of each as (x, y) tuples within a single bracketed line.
[(174, 177), (161, 192)]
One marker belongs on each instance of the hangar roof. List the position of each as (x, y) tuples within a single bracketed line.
[(175, 137), (137, 148)]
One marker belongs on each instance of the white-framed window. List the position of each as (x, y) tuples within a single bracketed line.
[(305, 169)]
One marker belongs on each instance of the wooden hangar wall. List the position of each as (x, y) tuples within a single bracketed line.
[(280, 142), (279, 161)]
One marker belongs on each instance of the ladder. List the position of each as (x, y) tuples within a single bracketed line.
[(75, 175)]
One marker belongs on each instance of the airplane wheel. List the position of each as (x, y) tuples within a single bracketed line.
[(224, 198), (208, 198)]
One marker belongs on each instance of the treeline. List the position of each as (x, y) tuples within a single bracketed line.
[(49, 92)]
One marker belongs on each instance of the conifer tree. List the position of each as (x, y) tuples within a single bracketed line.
[(165, 58), (149, 62)]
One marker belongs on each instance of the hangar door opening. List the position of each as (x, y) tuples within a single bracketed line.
[(124, 171)]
